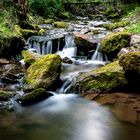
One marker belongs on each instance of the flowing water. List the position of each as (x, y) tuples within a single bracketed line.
[(65, 116)]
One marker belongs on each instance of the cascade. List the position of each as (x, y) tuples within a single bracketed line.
[(58, 45), (70, 49), (98, 56), (47, 47)]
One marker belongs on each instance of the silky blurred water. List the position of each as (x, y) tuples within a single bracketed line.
[(65, 117)]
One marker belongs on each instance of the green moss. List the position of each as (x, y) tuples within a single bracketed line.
[(17, 30), (134, 28), (27, 33), (95, 32), (29, 57), (36, 27), (30, 18), (48, 21), (44, 71), (115, 25), (103, 79), (4, 96), (34, 96), (131, 62), (60, 24), (42, 32), (4, 31), (114, 42)]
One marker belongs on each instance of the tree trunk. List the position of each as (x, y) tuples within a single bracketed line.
[(22, 9)]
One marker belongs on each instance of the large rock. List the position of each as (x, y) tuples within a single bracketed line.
[(84, 43), (44, 72), (34, 96), (102, 79), (131, 62), (113, 43)]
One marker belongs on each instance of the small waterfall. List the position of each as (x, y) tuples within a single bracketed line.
[(70, 49), (43, 48), (64, 87), (47, 47), (98, 56), (58, 46), (38, 47), (35, 46)]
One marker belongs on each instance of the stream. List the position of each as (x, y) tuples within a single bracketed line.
[(66, 116)]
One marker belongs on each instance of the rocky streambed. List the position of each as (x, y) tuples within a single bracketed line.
[(115, 85)]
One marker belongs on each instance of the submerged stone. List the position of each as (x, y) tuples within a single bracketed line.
[(44, 72), (125, 106), (67, 60), (34, 96), (102, 79), (114, 42)]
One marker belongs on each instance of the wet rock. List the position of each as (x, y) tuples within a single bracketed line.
[(125, 106), (135, 41), (34, 96), (120, 29), (4, 61), (103, 79), (85, 43), (127, 49), (67, 60), (130, 62), (44, 72), (113, 43), (11, 73)]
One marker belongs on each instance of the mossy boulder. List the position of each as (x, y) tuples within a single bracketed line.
[(115, 25), (11, 43), (60, 24), (48, 21), (44, 72), (130, 62), (103, 79), (114, 42), (5, 96), (26, 33), (29, 57), (34, 96)]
